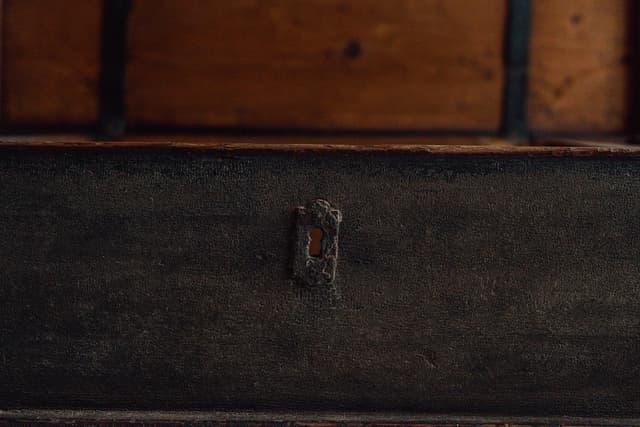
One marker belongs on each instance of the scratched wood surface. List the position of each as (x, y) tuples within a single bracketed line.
[(486, 282), (280, 419)]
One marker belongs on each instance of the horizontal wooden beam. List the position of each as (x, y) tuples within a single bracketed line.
[(469, 280), (291, 419)]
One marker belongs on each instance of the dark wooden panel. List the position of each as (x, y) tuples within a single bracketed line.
[(208, 423), (51, 52), (579, 65), (280, 419), (466, 283), (136, 422), (177, 423), (317, 64)]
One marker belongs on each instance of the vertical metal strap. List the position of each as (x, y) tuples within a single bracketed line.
[(2, 71), (112, 119), (516, 61), (633, 104)]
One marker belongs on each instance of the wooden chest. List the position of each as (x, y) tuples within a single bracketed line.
[(319, 213)]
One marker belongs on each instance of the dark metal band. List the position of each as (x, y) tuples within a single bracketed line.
[(112, 118), (516, 62)]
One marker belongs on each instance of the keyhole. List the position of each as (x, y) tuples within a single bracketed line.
[(315, 242)]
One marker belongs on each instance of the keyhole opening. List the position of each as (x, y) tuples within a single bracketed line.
[(315, 242)]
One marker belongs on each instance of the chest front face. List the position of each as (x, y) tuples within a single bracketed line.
[(319, 213), (165, 278)]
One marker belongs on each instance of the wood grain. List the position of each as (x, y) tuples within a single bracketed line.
[(91, 417), (317, 63), (184, 419), (363, 64), (50, 63), (467, 284), (229, 145), (579, 65)]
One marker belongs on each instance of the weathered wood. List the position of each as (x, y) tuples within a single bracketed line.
[(290, 419), (227, 419), (317, 64), (363, 64), (207, 140), (208, 423), (579, 65), (180, 423), (51, 61), (426, 65), (468, 282)]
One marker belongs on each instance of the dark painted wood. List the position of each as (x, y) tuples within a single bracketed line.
[(160, 278), (178, 423), (290, 419)]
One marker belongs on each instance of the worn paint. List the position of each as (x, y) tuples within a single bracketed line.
[(155, 278)]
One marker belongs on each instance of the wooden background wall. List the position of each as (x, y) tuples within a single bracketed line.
[(432, 67)]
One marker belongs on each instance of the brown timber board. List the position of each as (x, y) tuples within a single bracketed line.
[(361, 64), (50, 58), (207, 140), (430, 64), (579, 68)]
